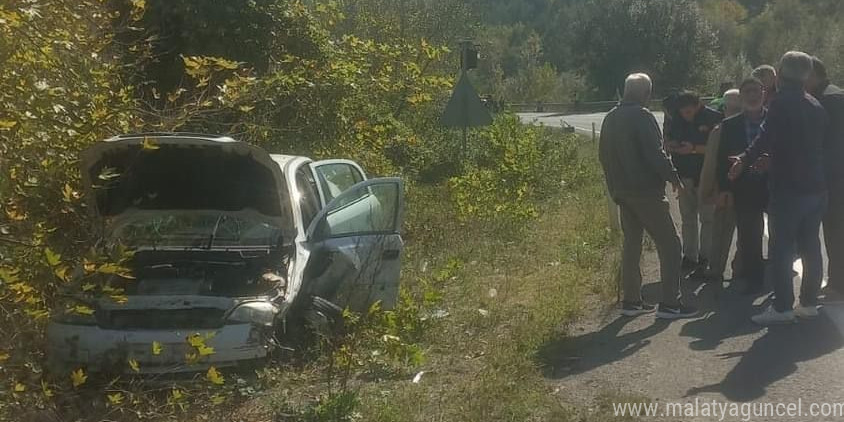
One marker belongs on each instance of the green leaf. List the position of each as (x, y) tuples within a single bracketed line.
[(53, 258)]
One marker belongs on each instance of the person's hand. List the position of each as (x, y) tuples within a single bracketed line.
[(685, 148), (762, 164), (678, 187), (736, 168), (725, 200)]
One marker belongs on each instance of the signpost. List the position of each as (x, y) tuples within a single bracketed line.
[(465, 108)]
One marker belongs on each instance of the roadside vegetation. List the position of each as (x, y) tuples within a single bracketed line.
[(504, 235)]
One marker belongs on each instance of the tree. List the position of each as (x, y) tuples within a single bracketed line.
[(514, 68), (437, 21), (256, 33), (726, 18), (812, 26), (668, 39), (65, 85)]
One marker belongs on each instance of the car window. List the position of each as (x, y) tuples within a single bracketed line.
[(308, 196), (337, 178), (366, 210)]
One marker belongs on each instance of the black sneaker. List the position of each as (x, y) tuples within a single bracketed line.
[(698, 274), (689, 265), (636, 309), (832, 296), (675, 312), (753, 289)]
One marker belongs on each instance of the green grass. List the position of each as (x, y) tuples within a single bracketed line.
[(505, 293), (513, 293)]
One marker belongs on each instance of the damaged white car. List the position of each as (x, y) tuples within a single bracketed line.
[(232, 245)]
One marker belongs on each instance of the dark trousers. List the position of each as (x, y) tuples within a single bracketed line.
[(749, 208), (796, 221), (833, 233)]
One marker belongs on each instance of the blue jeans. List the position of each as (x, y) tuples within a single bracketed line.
[(795, 220)]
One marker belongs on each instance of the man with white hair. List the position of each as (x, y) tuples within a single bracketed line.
[(748, 193), (793, 134), (637, 169)]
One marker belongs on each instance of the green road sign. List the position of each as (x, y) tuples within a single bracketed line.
[(465, 108)]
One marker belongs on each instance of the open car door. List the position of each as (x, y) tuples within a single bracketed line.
[(356, 246)]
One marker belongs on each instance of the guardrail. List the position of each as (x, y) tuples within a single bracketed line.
[(578, 107)]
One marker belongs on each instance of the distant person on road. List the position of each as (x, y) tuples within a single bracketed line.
[(831, 98), (637, 169), (767, 74), (686, 141), (711, 194), (793, 133), (748, 192)]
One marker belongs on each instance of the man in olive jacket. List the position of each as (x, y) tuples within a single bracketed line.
[(637, 169)]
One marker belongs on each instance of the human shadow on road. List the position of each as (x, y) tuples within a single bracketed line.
[(726, 314), (571, 355), (773, 357)]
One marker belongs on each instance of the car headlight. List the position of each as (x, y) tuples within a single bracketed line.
[(258, 313)]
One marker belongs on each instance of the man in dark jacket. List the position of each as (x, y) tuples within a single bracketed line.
[(749, 191), (793, 134), (637, 169), (831, 98), (686, 140)]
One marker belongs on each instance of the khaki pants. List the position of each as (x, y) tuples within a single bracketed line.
[(723, 229), (697, 223), (651, 214)]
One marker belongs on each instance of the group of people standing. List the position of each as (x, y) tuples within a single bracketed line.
[(773, 146)]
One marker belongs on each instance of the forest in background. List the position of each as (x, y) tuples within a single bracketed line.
[(563, 50)]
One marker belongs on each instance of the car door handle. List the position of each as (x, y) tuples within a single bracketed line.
[(391, 254)]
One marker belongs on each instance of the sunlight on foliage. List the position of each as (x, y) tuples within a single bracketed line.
[(214, 376)]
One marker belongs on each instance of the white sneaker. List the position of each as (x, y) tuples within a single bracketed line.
[(771, 317), (806, 312)]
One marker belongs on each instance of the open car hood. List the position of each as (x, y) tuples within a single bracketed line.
[(180, 172)]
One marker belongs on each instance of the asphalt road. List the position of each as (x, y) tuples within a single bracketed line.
[(720, 356), (582, 123)]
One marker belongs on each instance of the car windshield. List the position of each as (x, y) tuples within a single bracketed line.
[(197, 231)]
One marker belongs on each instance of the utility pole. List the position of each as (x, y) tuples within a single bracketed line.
[(468, 61)]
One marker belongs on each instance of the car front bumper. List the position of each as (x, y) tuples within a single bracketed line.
[(97, 349)]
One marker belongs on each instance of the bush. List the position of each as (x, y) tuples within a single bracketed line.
[(510, 168)]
